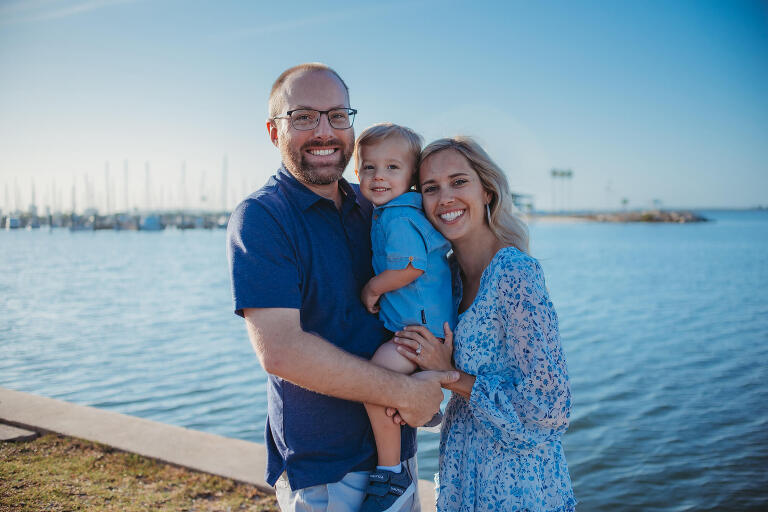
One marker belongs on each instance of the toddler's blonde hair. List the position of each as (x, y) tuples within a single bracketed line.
[(381, 131)]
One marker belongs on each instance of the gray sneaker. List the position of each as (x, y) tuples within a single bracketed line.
[(388, 491), (433, 425)]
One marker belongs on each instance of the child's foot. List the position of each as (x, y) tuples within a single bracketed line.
[(388, 491)]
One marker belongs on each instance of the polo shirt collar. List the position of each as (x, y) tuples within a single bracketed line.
[(305, 197), (410, 198)]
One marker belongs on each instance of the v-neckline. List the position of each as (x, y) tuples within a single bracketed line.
[(482, 278)]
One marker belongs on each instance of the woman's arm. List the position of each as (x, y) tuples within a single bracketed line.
[(529, 401), (463, 386)]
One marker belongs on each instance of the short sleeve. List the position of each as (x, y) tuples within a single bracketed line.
[(262, 261), (404, 244)]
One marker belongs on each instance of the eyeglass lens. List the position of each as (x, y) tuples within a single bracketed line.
[(309, 119)]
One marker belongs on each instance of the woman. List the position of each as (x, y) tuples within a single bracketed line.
[(500, 446)]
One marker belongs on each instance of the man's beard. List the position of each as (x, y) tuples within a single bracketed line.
[(311, 174)]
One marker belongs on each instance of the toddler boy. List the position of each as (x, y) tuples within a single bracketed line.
[(412, 285)]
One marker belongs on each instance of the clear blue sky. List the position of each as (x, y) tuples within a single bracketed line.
[(645, 100)]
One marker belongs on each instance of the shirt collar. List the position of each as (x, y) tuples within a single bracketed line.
[(410, 198), (305, 197)]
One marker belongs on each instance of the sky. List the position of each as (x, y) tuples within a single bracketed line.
[(646, 101)]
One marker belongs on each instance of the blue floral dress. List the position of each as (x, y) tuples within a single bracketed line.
[(500, 450)]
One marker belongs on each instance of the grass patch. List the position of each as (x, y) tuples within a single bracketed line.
[(58, 473)]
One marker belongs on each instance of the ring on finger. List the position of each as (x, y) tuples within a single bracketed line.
[(418, 350)]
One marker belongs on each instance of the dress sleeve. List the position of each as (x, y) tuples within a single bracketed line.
[(404, 244), (529, 402), (263, 265)]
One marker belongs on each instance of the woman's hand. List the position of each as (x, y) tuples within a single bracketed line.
[(417, 344)]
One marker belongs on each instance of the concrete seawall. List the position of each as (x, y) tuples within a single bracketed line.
[(239, 460)]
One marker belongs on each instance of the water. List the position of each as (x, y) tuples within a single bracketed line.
[(665, 328)]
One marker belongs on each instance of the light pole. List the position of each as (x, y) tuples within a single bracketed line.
[(562, 175)]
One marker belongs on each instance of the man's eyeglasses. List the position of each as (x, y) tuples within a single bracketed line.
[(308, 119)]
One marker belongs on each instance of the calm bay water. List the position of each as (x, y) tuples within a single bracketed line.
[(665, 328)]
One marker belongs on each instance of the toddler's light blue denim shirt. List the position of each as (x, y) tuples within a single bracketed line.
[(401, 234)]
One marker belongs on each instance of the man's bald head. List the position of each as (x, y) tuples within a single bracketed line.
[(276, 106)]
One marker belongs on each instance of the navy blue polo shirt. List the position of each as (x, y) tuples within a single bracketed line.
[(291, 248)]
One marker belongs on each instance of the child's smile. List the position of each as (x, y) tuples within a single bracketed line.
[(386, 170)]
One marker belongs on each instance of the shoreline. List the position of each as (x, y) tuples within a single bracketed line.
[(635, 216)]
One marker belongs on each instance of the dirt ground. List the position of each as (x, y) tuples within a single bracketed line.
[(57, 473)]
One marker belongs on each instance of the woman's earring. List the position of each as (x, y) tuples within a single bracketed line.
[(488, 212)]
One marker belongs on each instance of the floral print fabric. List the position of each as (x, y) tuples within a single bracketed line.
[(501, 450)]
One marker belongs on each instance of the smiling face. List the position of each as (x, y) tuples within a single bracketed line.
[(318, 156), (453, 196), (386, 169)]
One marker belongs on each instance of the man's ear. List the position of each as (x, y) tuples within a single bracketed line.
[(272, 132)]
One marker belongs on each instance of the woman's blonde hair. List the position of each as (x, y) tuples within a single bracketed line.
[(505, 220)]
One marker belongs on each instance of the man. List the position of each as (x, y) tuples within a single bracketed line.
[(300, 253)]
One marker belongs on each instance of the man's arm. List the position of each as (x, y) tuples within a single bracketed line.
[(311, 362)]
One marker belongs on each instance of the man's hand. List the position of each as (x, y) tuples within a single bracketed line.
[(424, 401), (370, 298)]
